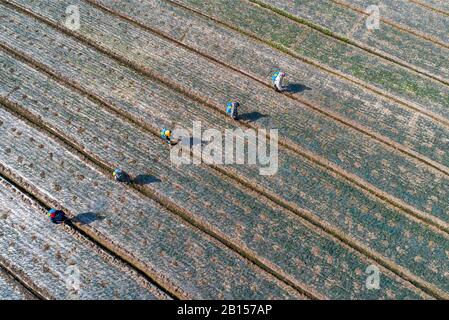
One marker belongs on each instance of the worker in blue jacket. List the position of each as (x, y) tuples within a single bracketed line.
[(232, 109)]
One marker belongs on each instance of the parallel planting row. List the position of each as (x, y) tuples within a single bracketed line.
[(347, 20), (389, 121), (321, 138), (440, 5), (46, 256), (410, 15), (289, 246), (143, 232), (11, 289), (380, 75)]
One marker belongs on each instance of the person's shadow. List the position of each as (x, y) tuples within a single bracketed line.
[(144, 179), (251, 116), (296, 88), (86, 218)]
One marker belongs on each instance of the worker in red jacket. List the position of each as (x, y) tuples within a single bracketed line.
[(57, 216)]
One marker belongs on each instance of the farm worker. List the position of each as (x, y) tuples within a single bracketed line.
[(166, 135), (57, 216), (232, 109), (121, 176), (278, 78)]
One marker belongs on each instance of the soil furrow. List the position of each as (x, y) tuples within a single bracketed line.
[(74, 107), (164, 277), (167, 203), (356, 6), (413, 18)]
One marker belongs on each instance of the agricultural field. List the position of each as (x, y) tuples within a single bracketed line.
[(348, 193)]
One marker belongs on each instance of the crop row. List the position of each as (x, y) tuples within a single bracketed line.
[(47, 256), (60, 95), (400, 44), (441, 5), (411, 15), (339, 98), (140, 152)]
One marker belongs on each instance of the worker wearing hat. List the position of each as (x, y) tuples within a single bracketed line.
[(278, 79), (121, 176), (166, 134), (232, 109)]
